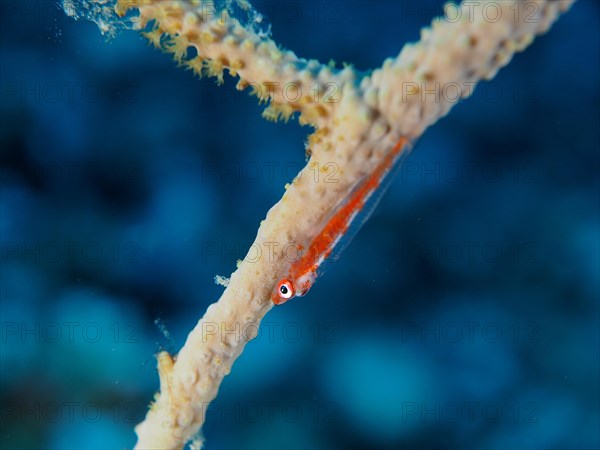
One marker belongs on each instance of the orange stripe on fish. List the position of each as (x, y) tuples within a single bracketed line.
[(303, 272)]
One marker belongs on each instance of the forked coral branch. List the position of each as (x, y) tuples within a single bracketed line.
[(358, 119)]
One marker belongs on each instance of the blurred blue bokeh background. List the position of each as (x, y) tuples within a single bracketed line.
[(464, 314)]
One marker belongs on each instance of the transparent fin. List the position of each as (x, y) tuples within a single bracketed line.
[(365, 212)]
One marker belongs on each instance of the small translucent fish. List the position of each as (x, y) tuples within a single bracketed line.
[(340, 227)]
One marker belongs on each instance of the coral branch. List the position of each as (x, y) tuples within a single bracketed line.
[(402, 98), (221, 42), (413, 90)]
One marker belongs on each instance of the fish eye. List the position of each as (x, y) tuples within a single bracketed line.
[(286, 289)]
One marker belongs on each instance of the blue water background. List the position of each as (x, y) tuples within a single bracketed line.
[(463, 315)]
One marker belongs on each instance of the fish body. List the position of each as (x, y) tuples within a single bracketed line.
[(351, 213)]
